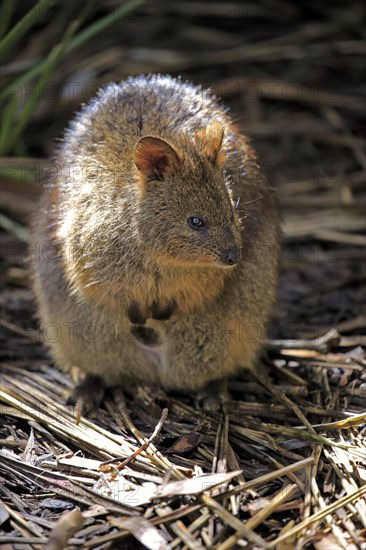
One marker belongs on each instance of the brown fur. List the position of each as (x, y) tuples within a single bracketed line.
[(138, 162)]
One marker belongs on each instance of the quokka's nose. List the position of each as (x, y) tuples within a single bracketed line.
[(230, 257)]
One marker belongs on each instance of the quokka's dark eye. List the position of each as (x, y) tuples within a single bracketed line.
[(195, 222)]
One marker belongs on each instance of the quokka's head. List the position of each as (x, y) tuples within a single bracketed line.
[(186, 214)]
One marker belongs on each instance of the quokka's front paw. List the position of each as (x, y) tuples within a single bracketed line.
[(162, 312)]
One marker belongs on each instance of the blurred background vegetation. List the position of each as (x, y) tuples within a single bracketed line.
[(55, 55)]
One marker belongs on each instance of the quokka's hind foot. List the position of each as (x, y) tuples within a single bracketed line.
[(88, 395), (212, 398)]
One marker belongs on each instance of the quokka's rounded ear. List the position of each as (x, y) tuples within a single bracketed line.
[(155, 158), (209, 141)]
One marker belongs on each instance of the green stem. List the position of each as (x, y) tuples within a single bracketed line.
[(23, 25), (7, 121), (6, 12), (78, 40), (103, 23), (51, 61)]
